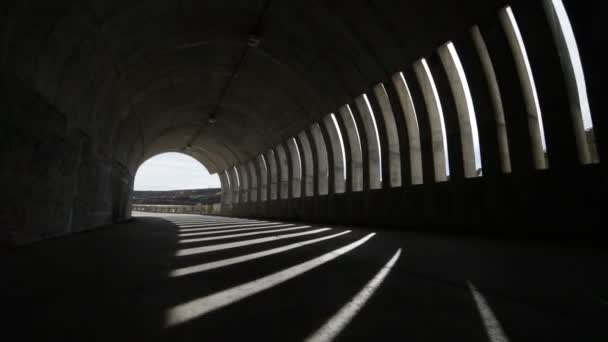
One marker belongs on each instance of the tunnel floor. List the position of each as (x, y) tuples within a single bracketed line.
[(186, 277)]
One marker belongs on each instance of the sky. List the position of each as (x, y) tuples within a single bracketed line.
[(174, 171)]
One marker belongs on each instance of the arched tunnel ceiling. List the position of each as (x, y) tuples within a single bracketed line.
[(144, 77)]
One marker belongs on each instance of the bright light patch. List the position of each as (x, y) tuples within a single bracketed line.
[(223, 237), (375, 126), (352, 117), (173, 171), (575, 79), (575, 59), (342, 318), (492, 325), (469, 101), (229, 245), (335, 121), (264, 163), (299, 156), (196, 308), (429, 76), (526, 60), (222, 231), (236, 260), (236, 176), (221, 225)]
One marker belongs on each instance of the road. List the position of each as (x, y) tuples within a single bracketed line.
[(204, 278)]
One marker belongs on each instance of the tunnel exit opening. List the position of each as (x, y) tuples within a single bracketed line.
[(176, 183)]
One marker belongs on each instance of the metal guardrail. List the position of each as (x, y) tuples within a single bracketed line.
[(201, 209)]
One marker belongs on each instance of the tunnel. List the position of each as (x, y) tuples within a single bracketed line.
[(456, 120)]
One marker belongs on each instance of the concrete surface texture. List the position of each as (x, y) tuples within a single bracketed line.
[(423, 132), (193, 278)]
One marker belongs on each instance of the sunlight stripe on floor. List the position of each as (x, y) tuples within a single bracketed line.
[(216, 222), (340, 320), (206, 220), (221, 237), (221, 231), (227, 224), (187, 230), (193, 309), (227, 262), (492, 325), (212, 223), (212, 248)]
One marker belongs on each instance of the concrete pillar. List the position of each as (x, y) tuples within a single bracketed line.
[(226, 191), (354, 155), (426, 138), (587, 18), (487, 100), (550, 82), (406, 120), (308, 188), (373, 143), (234, 185), (244, 185), (438, 131), (450, 118), (295, 167), (273, 169), (527, 81), (321, 160), (337, 181), (387, 127), (512, 98), (264, 178), (464, 108), (283, 172), (254, 181)]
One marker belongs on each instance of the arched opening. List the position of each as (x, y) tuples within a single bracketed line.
[(177, 183)]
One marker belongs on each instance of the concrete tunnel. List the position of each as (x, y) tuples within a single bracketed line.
[(343, 112), (430, 116)]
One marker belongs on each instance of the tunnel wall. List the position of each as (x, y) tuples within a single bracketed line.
[(54, 181), (92, 89), (542, 203), (535, 176)]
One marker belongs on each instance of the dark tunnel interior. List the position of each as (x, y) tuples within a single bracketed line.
[(447, 154)]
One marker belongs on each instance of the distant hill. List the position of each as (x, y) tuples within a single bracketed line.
[(178, 197)]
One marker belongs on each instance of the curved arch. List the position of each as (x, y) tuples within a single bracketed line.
[(174, 170), (528, 86), (337, 147), (235, 185), (264, 178), (467, 122), (253, 182), (496, 97), (322, 160), (273, 168), (394, 150), (226, 190), (355, 148), (374, 151), (244, 179), (220, 156), (437, 126), (295, 167), (309, 166), (283, 172), (411, 123)]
